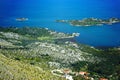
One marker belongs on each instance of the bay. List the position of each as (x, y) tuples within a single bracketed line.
[(43, 13)]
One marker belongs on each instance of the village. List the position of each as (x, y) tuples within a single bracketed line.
[(68, 74)]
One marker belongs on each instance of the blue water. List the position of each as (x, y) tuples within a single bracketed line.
[(43, 13)]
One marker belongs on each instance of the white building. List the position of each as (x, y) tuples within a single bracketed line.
[(68, 77)]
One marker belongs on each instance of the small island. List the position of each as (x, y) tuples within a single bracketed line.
[(21, 19), (91, 21)]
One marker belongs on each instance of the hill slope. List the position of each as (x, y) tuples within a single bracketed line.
[(31, 53), (15, 70)]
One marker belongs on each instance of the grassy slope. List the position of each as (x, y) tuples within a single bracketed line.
[(15, 70)]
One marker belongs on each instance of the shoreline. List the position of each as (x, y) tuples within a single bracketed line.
[(69, 38)]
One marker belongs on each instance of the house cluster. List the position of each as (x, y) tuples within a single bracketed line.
[(60, 35), (68, 74)]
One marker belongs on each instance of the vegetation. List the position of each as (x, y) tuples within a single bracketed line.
[(17, 70), (33, 32), (109, 68), (31, 53), (90, 21)]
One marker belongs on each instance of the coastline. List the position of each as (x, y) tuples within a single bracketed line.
[(70, 38)]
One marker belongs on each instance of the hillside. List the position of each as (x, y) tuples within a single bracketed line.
[(15, 70), (35, 52)]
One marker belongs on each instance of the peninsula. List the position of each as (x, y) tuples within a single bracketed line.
[(91, 21)]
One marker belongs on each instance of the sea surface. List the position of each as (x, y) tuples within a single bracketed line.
[(43, 13)]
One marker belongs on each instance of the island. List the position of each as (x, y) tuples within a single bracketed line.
[(91, 21), (21, 19)]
